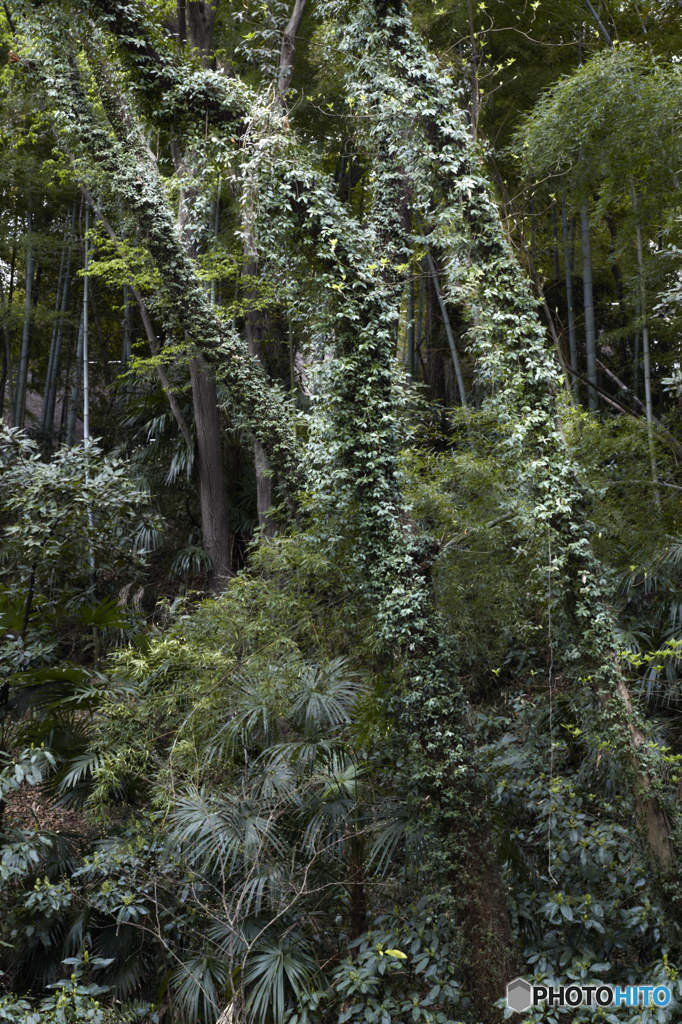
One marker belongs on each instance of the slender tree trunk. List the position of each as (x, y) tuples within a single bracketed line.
[(216, 231), (63, 416), (28, 603), (161, 372), (635, 357), (50, 396), (568, 271), (475, 93), (646, 355), (599, 23), (86, 335), (421, 310), (215, 529), (7, 351), (411, 363), (22, 368), (86, 400), (588, 301), (101, 344), (215, 523), (126, 340), (448, 330), (72, 414), (254, 338), (555, 244), (263, 491), (50, 376)]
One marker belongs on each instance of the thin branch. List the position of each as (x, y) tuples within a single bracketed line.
[(600, 24), (654, 419), (10, 20)]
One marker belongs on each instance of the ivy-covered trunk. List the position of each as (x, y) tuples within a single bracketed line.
[(525, 389)]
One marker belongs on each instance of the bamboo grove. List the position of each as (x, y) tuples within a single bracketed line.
[(339, 488)]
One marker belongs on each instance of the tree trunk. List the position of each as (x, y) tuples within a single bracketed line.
[(72, 414), (448, 330), (599, 23), (635, 358), (215, 529), (646, 356), (200, 16), (570, 307), (126, 334), (86, 334), (421, 315), (182, 21), (6, 313), (555, 244), (22, 368), (286, 54), (6, 351), (254, 338), (215, 525), (473, 59), (410, 326), (50, 395), (588, 302)]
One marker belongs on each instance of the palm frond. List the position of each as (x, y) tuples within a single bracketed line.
[(80, 769), (326, 696), (209, 834), (196, 986), (216, 833), (275, 976)]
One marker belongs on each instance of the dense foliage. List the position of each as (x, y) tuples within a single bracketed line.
[(340, 616)]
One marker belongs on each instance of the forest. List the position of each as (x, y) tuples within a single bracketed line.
[(341, 559)]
